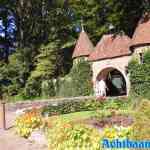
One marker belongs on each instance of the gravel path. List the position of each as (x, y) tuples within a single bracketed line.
[(10, 141)]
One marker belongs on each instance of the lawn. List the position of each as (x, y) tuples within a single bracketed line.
[(77, 116)]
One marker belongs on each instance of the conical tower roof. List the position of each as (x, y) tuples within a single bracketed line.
[(111, 46), (83, 46), (141, 35)]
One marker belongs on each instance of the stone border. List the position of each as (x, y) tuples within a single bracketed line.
[(44, 102)]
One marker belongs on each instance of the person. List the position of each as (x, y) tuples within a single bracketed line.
[(102, 88), (96, 89)]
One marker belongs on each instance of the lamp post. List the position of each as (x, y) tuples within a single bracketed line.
[(2, 113)]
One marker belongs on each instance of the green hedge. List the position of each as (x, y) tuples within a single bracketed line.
[(85, 105), (140, 76), (77, 82)]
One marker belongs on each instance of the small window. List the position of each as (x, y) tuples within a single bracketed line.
[(141, 58)]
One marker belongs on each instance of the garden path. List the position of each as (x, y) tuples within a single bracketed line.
[(10, 141)]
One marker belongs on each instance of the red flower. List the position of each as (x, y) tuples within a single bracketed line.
[(101, 98)]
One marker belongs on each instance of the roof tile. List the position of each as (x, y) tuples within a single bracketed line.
[(141, 35), (111, 46), (83, 46)]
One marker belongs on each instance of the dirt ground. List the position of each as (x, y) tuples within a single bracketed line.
[(10, 141)]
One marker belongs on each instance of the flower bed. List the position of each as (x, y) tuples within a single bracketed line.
[(141, 126), (87, 105), (87, 129), (27, 122), (62, 135), (118, 120)]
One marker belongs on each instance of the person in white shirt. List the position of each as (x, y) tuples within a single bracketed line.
[(100, 88), (96, 88)]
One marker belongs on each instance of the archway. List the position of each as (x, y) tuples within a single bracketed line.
[(115, 81)]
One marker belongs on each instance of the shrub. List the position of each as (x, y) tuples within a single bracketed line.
[(72, 136), (86, 105), (66, 88), (141, 130), (113, 104), (103, 114), (47, 88), (72, 106), (27, 122), (32, 88), (140, 76), (77, 82)]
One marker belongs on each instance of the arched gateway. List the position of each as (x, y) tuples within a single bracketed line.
[(116, 81), (109, 62)]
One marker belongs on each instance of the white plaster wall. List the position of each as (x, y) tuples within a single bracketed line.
[(141, 49)]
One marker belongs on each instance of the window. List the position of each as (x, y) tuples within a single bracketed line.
[(141, 58)]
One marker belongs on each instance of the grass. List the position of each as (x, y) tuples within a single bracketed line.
[(88, 114), (20, 98), (77, 116)]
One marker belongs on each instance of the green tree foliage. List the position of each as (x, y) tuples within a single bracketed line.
[(99, 15), (45, 69), (140, 76), (46, 62), (47, 31), (13, 75)]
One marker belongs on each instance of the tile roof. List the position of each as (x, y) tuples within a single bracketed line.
[(83, 46), (141, 35), (111, 46)]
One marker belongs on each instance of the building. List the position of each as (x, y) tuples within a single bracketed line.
[(110, 58)]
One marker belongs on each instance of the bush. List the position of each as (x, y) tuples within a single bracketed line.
[(47, 89), (85, 105), (72, 136), (66, 88), (115, 104), (27, 122), (32, 88), (77, 82), (141, 126), (72, 106), (140, 76)]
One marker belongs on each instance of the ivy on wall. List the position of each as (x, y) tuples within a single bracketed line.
[(78, 81), (140, 76)]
